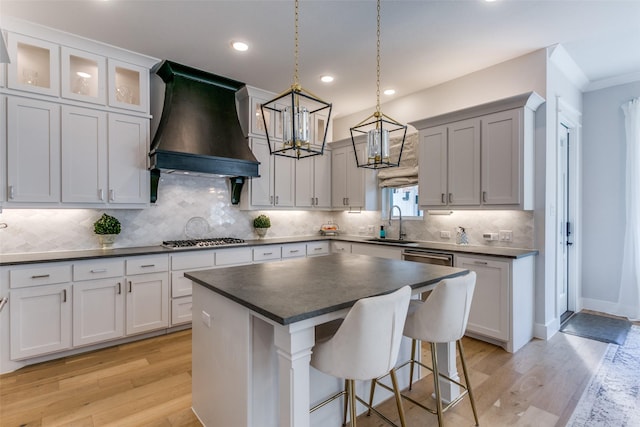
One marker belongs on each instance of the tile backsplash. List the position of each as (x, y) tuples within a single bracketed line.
[(181, 198)]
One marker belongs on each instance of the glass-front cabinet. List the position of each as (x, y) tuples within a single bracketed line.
[(34, 65), (128, 86), (83, 76)]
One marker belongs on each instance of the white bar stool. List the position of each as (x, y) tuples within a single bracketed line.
[(442, 318), (364, 347)]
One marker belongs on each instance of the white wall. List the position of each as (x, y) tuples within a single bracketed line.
[(519, 75), (603, 200)]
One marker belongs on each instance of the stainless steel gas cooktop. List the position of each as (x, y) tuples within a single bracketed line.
[(203, 243)]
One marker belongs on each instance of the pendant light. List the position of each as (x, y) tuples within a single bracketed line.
[(378, 128), (302, 119)]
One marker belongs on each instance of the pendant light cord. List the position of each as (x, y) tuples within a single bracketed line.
[(378, 64), (296, 82)]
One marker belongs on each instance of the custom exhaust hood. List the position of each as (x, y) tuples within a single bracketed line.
[(199, 131)]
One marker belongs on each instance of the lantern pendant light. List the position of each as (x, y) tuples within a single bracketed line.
[(302, 119), (378, 128)]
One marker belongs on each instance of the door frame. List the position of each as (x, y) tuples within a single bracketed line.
[(570, 118)]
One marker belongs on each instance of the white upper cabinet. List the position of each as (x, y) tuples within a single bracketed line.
[(313, 181), (128, 86), (84, 76), (481, 157), (351, 187), (35, 65), (84, 155), (128, 148), (502, 160), (33, 151)]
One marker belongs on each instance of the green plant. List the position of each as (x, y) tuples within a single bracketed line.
[(107, 225), (262, 221)]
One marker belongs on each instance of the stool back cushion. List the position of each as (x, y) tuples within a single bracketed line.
[(443, 316), (367, 343)]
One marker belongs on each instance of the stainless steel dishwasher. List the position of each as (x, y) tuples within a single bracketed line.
[(428, 257)]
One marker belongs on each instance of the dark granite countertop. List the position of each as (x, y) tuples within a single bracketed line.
[(307, 287), (63, 256)]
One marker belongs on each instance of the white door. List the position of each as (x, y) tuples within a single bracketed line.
[(128, 154), (84, 155), (463, 175), (98, 311), (33, 150), (147, 302), (564, 224), (40, 320)]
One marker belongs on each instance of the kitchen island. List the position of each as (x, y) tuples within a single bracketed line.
[(254, 328)]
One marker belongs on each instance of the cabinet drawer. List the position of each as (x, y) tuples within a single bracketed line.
[(98, 269), (235, 256), (341, 247), (317, 248), (41, 275), (181, 310), (192, 260), (294, 250), (180, 285), (266, 253), (147, 264)]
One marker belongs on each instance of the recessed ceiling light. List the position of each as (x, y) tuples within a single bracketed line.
[(389, 92), (240, 46), (326, 79)]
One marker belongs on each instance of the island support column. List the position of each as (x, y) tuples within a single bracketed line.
[(293, 344)]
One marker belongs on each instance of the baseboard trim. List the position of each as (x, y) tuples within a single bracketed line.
[(599, 305), (546, 331)]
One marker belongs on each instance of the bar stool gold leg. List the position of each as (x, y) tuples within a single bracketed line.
[(352, 401), (346, 402), (371, 392), (466, 380), (412, 363), (436, 383), (396, 392)]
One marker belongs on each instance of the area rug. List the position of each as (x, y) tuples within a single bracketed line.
[(612, 399), (600, 328)]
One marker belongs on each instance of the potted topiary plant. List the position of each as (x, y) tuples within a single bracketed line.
[(107, 228), (261, 223)]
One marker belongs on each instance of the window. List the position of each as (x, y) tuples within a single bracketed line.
[(406, 198)]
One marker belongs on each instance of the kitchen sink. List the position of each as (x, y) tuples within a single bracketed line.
[(394, 241)]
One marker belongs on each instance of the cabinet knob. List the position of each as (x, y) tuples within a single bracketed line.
[(484, 197), (112, 195), (64, 295), (119, 288), (129, 286), (277, 199), (442, 198), (101, 194), (450, 197)]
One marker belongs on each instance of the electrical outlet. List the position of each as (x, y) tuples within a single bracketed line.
[(490, 236), (506, 235), (370, 229), (206, 318), (445, 234)]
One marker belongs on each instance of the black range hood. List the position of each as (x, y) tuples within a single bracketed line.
[(199, 131)]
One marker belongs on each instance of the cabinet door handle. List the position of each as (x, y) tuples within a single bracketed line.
[(129, 286), (3, 302), (316, 201), (450, 197), (41, 276), (294, 251), (64, 295), (112, 195), (267, 253), (147, 265), (277, 199), (119, 288), (312, 201), (347, 201), (317, 249), (11, 192), (442, 199), (480, 262), (484, 197), (99, 270), (100, 194)]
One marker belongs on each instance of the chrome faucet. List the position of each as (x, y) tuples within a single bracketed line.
[(400, 233)]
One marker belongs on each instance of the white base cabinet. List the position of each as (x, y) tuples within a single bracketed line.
[(40, 320), (147, 294), (98, 311), (502, 307)]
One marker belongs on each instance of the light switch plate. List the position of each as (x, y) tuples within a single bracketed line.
[(445, 234)]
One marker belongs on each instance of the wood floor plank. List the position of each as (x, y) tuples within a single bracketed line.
[(148, 383)]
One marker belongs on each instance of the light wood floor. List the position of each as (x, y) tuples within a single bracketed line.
[(148, 383)]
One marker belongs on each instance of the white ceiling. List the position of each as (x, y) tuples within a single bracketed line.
[(424, 42)]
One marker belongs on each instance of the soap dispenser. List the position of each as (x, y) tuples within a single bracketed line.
[(383, 233)]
